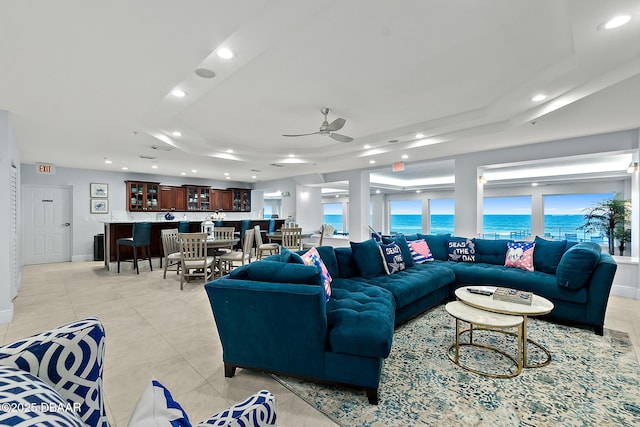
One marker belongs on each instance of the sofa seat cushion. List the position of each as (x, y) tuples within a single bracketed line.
[(360, 321), (409, 285), (539, 283)]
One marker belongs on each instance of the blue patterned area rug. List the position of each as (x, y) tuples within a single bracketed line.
[(591, 381)]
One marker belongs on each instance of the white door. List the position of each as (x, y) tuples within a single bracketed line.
[(46, 224)]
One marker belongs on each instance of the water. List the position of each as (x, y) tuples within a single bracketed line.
[(495, 226)]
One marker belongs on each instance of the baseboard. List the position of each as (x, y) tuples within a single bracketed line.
[(82, 258), (625, 291), (6, 316)]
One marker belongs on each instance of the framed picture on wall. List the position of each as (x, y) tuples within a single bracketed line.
[(99, 206), (99, 190)]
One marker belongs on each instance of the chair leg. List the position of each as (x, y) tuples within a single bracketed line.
[(118, 256), (147, 250), (135, 259), (166, 264)]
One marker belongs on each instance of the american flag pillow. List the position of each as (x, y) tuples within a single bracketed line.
[(420, 251), (520, 255), (312, 257)]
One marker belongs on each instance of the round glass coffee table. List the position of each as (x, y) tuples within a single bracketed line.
[(539, 306)]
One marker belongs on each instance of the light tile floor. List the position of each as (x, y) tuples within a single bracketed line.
[(154, 330)]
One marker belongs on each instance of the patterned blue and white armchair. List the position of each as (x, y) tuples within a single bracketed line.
[(55, 378)]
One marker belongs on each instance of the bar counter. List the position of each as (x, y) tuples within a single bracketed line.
[(114, 230)]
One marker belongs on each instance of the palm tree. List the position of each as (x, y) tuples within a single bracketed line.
[(609, 217)]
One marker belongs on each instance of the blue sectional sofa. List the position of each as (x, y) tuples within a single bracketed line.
[(269, 317)]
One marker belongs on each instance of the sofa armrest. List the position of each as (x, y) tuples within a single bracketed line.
[(69, 359), (279, 327), (258, 410), (599, 288)]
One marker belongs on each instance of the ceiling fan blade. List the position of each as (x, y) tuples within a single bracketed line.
[(341, 138), (304, 134), (336, 124)]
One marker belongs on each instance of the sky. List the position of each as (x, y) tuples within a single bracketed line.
[(565, 204)]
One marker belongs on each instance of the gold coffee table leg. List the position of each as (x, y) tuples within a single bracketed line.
[(525, 342)]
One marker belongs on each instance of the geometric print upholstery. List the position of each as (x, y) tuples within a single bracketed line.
[(26, 400), (258, 410), (70, 360)]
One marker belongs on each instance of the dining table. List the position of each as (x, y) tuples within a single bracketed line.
[(214, 248)]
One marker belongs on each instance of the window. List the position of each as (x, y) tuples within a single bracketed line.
[(564, 214), (333, 215), (405, 216), (442, 215), (506, 217)]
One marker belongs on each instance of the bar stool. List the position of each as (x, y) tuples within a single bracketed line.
[(141, 238)]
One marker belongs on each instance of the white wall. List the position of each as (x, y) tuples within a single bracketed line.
[(9, 157), (85, 225)]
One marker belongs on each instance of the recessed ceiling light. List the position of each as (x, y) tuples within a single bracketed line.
[(378, 191), (366, 147), (539, 97), (292, 155), (405, 156), (176, 133), (178, 93), (616, 22), (194, 170), (205, 73), (229, 151), (124, 168), (183, 173), (534, 184), (254, 176), (225, 53), (226, 174), (337, 195), (107, 161), (154, 166), (418, 191), (372, 161), (228, 177), (419, 135)]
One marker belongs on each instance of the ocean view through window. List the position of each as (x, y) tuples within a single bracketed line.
[(564, 214), (506, 217), (332, 214), (442, 215), (405, 216)]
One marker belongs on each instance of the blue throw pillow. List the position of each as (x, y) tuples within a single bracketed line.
[(346, 264), (290, 257), (401, 241), (437, 244), (460, 249), (368, 258), (547, 254), (577, 264), (393, 260)]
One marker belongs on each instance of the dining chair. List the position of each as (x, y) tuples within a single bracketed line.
[(194, 261), (292, 238), (243, 256), (141, 239), (171, 250), (223, 233), (262, 248)]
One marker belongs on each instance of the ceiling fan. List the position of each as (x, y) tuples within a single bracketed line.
[(328, 129)]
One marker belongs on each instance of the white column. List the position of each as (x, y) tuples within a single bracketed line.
[(537, 213), (469, 193), (635, 210), (358, 206), (377, 214), (426, 215)]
